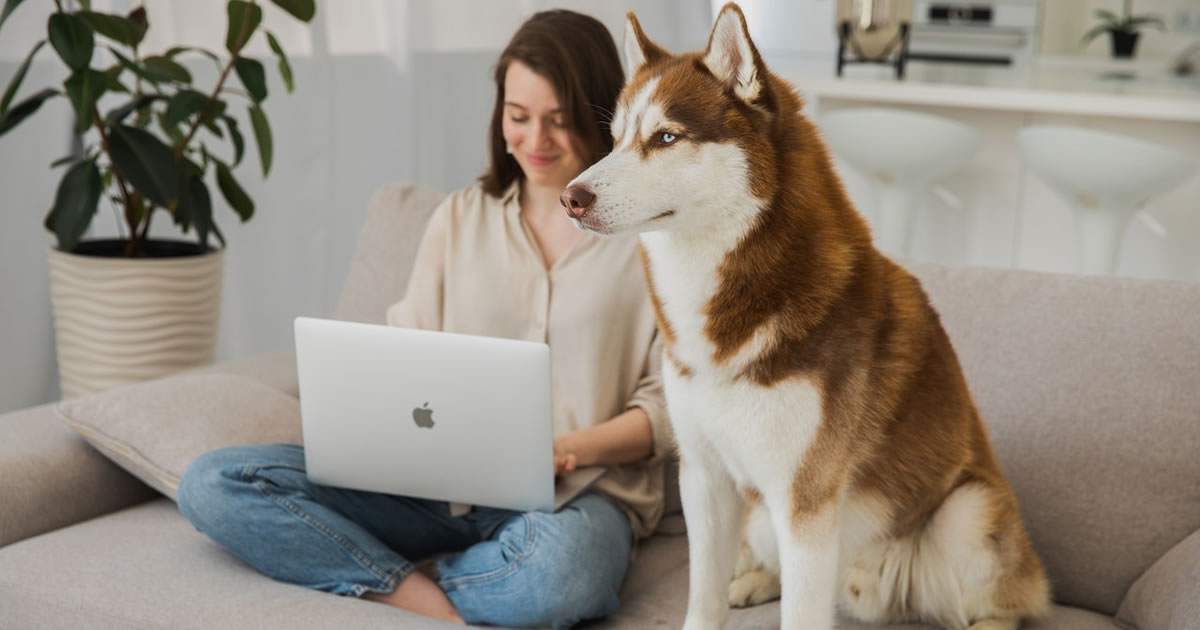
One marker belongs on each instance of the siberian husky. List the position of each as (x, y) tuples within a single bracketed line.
[(820, 411)]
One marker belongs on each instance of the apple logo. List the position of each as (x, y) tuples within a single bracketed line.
[(423, 416)]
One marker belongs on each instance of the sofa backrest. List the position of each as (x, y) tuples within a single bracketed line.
[(1090, 389), (387, 243)]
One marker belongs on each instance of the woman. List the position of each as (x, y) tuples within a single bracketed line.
[(501, 259)]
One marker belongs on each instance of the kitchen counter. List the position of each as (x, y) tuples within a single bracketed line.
[(1117, 88), (997, 213)]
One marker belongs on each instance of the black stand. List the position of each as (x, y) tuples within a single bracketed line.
[(899, 60)]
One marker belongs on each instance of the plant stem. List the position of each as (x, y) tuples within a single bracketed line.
[(116, 174), (212, 99), (146, 225)]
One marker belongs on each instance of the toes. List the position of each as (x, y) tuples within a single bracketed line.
[(753, 588)]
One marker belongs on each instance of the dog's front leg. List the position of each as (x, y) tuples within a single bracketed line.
[(713, 510), (808, 554)]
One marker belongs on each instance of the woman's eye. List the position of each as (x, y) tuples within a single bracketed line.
[(518, 119), (667, 137)]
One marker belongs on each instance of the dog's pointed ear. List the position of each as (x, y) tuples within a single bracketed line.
[(732, 57), (639, 50)]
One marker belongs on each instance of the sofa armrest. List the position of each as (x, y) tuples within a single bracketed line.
[(1167, 596), (50, 478)]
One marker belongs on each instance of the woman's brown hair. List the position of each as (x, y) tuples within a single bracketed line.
[(577, 55)]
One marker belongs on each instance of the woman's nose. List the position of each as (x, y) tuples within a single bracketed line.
[(541, 134)]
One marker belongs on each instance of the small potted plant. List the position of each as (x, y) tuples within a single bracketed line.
[(137, 307), (1123, 29)]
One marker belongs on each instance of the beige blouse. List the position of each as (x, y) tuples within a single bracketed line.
[(479, 271)]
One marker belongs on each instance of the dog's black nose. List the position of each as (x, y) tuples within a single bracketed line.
[(577, 200)]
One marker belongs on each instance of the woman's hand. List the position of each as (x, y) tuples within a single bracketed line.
[(621, 440), (566, 453)]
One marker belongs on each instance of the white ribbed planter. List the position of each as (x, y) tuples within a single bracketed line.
[(123, 320)]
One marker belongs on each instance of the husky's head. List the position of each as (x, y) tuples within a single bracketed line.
[(694, 137)]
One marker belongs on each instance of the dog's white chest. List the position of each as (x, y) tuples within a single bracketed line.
[(759, 434)]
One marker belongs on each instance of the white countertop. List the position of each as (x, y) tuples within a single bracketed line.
[(1120, 88)]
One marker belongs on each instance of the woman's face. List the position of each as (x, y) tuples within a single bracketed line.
[(533, 127)]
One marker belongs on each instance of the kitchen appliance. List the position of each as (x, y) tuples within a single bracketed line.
[(873, 31), (996, 32)]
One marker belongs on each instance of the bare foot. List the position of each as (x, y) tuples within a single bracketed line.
[(420, 594)]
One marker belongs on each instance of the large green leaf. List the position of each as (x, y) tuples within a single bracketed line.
[(262, 133), (251, 72), (84, 88), (74, 204), (118, 114), (9, 5), (146, 163), (116, 27), (184, 105), (235, 134), (112, 78), (164, 66), (285, 68), (141, 71), (301, 9), (22, 110), (171, 131), (174, 51), (195, 209), (72, 38), (18, 77), (233, 193), (244, 18), (138, 17)]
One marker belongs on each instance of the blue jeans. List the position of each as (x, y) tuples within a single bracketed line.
[(500, 567)]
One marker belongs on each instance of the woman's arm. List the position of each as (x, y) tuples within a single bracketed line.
[(625, 438), (421, 306)]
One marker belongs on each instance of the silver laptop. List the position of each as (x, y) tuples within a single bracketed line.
[(432, 415)]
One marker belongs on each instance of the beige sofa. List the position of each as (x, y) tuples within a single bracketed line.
[(1090, 388)]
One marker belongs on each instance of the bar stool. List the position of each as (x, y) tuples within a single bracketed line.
[(902, 154), (1106, 178)]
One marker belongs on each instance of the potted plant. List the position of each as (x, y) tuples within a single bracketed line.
[(137, 307), (1123, 29)]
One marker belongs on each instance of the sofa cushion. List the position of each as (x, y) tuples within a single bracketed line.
[(655, 596), (1088, 388), (145, 567), (1167, 597), (155, 429)]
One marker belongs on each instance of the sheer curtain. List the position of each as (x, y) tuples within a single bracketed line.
[(386, 90)]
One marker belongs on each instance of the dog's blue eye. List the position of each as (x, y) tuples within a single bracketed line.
[(667, 138)]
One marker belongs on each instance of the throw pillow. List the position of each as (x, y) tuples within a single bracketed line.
[(155, 429)]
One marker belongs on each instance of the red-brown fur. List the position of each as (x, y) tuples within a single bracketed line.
[(898, 419)]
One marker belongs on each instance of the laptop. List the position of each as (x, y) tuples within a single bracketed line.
[(432, 415)]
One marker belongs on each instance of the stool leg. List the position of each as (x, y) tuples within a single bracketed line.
[(1099, 232), (894, 218)]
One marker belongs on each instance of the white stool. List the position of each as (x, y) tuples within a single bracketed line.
[(1105, 178), (902, 154)]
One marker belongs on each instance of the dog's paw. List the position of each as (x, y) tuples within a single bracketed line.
[(753, 588)]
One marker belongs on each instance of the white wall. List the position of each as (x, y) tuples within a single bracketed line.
[(367, 80)]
